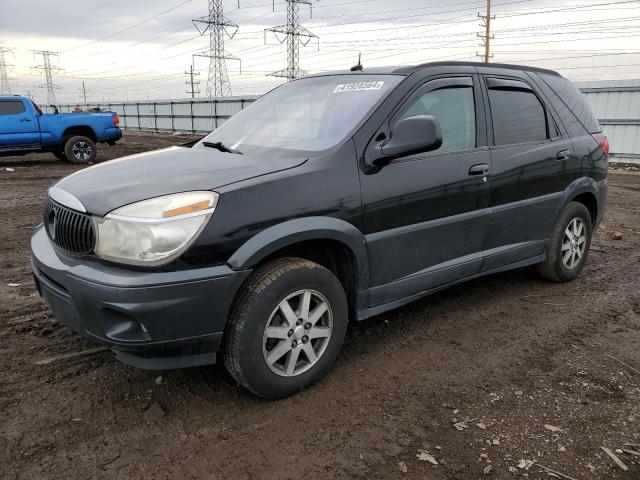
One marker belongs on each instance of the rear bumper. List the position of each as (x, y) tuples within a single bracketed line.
[(149, 319), (112, 134)]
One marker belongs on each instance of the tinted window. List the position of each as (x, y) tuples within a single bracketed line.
[(518, 117), (11, 107), (455, 109), (574, 100)]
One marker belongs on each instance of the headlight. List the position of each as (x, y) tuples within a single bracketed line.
[(154, 231)]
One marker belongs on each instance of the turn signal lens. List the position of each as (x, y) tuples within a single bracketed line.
[(186, 209)]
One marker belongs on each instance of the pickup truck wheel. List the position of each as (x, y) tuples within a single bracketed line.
[(286, 328), (569, 244), (80, 150)]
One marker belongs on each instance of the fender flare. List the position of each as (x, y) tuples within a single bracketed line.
[(64, 133), (577, 187), (298, 230)]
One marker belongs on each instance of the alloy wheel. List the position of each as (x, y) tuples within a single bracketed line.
[(297, 333), (81, 150), (574, 243)]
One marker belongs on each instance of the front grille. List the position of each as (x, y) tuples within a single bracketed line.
[(70, 230)]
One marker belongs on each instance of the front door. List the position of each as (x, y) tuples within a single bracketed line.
[(17, 126), (425, 215)]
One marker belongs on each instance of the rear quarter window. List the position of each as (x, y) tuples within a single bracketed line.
[(574, 100), (11, 107)]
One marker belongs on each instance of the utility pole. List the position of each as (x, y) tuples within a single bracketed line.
[(191, 82), (486, 37), (294, 35), (84, 94), (5, 88), (217, 25), (48, 70)]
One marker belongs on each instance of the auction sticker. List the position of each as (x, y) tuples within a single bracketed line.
[(358, 87)]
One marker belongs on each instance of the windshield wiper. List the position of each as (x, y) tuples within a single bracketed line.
[(222, 147)]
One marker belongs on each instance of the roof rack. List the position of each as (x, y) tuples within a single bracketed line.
[(414, 68)]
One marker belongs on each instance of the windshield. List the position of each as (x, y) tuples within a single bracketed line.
[(310, 114)]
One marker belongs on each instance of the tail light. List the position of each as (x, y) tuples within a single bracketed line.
[(116, 119), (603, 141)]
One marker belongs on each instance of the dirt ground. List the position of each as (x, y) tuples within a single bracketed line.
[(492, 378)]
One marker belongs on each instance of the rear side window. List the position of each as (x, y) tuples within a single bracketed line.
[(574, 100), (11, 107), (455, 110), (518, 116)]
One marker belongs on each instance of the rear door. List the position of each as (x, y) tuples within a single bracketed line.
[(423, 214), (531, 158), (18, 127)]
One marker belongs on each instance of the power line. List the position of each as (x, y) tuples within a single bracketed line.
[(218, 26), (131, 27), (293, 35)]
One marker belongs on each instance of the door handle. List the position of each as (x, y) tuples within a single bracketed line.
[(563, 155), (480, 169), (25, 119)]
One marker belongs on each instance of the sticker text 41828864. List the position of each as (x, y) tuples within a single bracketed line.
[(358, 86)]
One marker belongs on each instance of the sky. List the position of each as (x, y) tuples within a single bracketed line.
[(140, 50)]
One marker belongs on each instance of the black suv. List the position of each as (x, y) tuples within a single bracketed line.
[(334, 196)]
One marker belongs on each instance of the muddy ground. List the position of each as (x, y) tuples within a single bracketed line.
[(505, 356)]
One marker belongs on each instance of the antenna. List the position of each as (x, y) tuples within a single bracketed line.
[(358, 67), (293, 35), (217, 25)]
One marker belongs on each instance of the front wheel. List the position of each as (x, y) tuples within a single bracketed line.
[(569, 244), (286, 328), (80, 150)]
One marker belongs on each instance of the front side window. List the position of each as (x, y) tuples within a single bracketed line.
[(455, 110), (11, 107), (310, 114), (518, 116)]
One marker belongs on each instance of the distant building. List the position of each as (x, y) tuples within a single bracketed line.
[(616, 103)]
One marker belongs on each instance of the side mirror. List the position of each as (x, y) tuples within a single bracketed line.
[(411, 135)]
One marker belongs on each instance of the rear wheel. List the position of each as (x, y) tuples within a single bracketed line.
[(80, 150), (569, 244), (286, 328)]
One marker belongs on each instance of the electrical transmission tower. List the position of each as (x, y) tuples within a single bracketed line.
[(486, 36), (294, 35), (5, 88), (47, 69), (218, 26), (193, 84)]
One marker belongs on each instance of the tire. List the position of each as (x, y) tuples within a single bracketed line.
[(248, 345), (557, 267), (80, 150), (60, 155)]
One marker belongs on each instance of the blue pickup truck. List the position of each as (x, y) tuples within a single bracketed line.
[(72, 136)]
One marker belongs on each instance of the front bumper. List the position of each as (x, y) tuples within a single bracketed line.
[(150, 319)]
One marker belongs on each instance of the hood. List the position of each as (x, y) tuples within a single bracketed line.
[(112, 184)]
